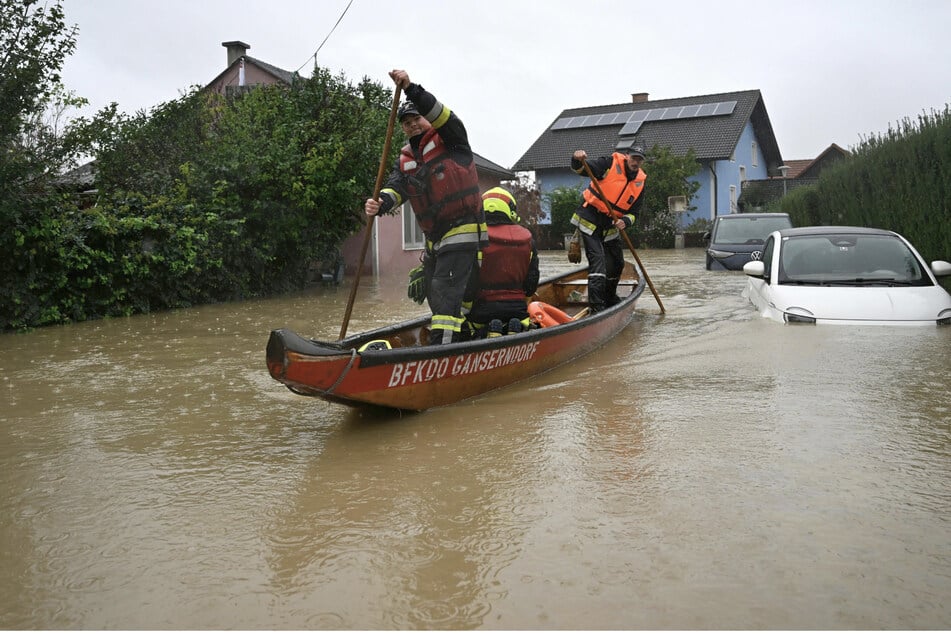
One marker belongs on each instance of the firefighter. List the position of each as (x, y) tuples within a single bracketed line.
[(436, 173), (509, 272), (621, 180)]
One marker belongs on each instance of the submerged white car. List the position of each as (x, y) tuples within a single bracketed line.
[(846, 275)]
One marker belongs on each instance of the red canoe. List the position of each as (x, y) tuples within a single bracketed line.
[(410, 376)]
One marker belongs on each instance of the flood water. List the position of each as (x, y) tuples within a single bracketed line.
[(707, 469)]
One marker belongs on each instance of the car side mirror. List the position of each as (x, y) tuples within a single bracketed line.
[(756, 268), (706, 236), (941, 268)]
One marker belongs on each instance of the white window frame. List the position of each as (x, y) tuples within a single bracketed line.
[(732, 199), (742, 174), (754, 154), (413, 237)]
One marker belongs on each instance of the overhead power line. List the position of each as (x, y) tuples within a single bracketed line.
[(314, 56)]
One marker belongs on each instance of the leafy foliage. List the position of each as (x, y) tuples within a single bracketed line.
[(205, 198), (667, 176), (900, 180), (562, 202)]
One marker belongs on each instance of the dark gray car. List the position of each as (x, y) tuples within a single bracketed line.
[(737, 239)]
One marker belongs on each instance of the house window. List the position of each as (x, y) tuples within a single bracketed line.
[(733, 156), (754, 153), (732, 199), (412, 235), (742, 174)]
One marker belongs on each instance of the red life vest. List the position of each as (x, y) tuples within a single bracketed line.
[(615, 186), (441, 190), (505, 263)]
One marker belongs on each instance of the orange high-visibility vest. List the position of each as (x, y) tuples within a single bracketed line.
[(616, 187)]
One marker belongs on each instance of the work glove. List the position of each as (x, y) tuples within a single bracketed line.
[(416, 290), (574, 247)]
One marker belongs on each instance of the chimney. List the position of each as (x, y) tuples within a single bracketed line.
[(639, 97), (236, 50)]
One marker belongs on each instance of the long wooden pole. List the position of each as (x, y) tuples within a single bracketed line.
[(376, 194), (627, 238)]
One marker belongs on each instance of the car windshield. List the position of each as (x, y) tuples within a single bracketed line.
[(740, 229), (849, 259)]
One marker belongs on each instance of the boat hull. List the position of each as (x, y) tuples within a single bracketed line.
[(416, 377)]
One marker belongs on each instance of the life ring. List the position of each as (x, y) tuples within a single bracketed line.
[(547, 315)]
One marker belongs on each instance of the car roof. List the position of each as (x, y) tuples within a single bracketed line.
[(734, 216), (821, 231)]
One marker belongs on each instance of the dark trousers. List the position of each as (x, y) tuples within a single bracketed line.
[(453, 281), (605, 263)]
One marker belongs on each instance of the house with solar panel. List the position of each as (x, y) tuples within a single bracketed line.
[(730, 134)]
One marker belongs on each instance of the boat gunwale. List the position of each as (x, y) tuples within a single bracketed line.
[(370, 358)]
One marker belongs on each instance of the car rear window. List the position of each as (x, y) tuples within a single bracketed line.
[(740, 229)]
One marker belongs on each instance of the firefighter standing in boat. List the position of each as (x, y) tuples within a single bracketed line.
[(436, 172), (622, 182)]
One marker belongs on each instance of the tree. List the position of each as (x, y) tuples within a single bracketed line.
[(667, 175), (272, 179), (34, 43), (563, 201)]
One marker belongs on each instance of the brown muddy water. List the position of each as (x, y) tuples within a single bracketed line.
[(707, 469)]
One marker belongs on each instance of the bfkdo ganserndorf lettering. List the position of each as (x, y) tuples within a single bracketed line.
[(431, 369)]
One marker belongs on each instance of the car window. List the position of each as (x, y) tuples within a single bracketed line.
[(849, 258), (768, 255), (741, 229)]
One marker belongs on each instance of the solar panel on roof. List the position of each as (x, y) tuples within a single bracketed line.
[(632, 120), (725, 107), (624, 144), (630, 128)]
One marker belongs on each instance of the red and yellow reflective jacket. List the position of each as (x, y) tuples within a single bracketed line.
[(505, 263), (441, 190)]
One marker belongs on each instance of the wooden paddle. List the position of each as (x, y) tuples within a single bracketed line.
[(376, 194), (626, 237)]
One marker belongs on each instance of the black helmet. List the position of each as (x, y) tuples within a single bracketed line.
[(406, 108)]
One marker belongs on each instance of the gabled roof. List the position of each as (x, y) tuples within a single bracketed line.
[(796, 167), (711, 137), (283, 76), (812, 168), (487, 167)]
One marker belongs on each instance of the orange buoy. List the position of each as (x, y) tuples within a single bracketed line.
[(547, 315)]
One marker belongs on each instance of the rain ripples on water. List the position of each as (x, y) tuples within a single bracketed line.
[(706, 469)]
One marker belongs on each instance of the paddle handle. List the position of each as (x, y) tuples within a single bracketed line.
[(623, 232), (381, 173)]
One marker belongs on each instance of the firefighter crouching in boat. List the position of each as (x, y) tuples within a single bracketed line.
[(509, 272), (436, 172), (622, 182)]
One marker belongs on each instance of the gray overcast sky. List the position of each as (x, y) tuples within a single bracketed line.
[(830, 71)]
